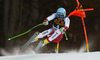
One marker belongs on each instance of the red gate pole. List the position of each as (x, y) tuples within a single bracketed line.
[(85, 35)]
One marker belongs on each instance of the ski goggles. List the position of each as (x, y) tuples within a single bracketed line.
[(60, 16)]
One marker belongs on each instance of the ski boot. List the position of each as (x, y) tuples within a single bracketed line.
[(41, 44), (36, 39), (45, 42)]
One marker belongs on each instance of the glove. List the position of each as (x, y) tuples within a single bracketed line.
[(62, 29), (45, 22)]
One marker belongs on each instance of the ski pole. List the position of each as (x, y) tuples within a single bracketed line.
[(66, 36), (25, 32)]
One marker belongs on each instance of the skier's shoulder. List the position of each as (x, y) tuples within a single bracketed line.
[(66, 18), (55, 14)]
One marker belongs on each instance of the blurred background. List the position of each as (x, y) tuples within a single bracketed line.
[(18, 16)]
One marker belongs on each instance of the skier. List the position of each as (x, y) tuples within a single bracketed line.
[(60, 25)]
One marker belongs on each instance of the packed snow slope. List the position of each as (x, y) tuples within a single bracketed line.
[(55, 56)]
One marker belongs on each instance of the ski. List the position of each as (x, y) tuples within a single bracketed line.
[(30, 40), (39, 45)]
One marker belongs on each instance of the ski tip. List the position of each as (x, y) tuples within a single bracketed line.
[(9, 39)]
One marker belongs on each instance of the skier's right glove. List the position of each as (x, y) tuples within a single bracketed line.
[(45, 22)]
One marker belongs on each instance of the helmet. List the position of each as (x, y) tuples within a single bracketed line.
[(61, 12)]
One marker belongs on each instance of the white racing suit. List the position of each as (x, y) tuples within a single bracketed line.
[(54, 34)]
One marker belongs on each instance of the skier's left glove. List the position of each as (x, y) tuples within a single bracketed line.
[(62, 29), (45, 22)]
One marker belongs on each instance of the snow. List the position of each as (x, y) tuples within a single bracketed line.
[(55, 56)]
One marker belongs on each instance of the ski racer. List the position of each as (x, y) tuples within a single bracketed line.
[(60, 25)]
